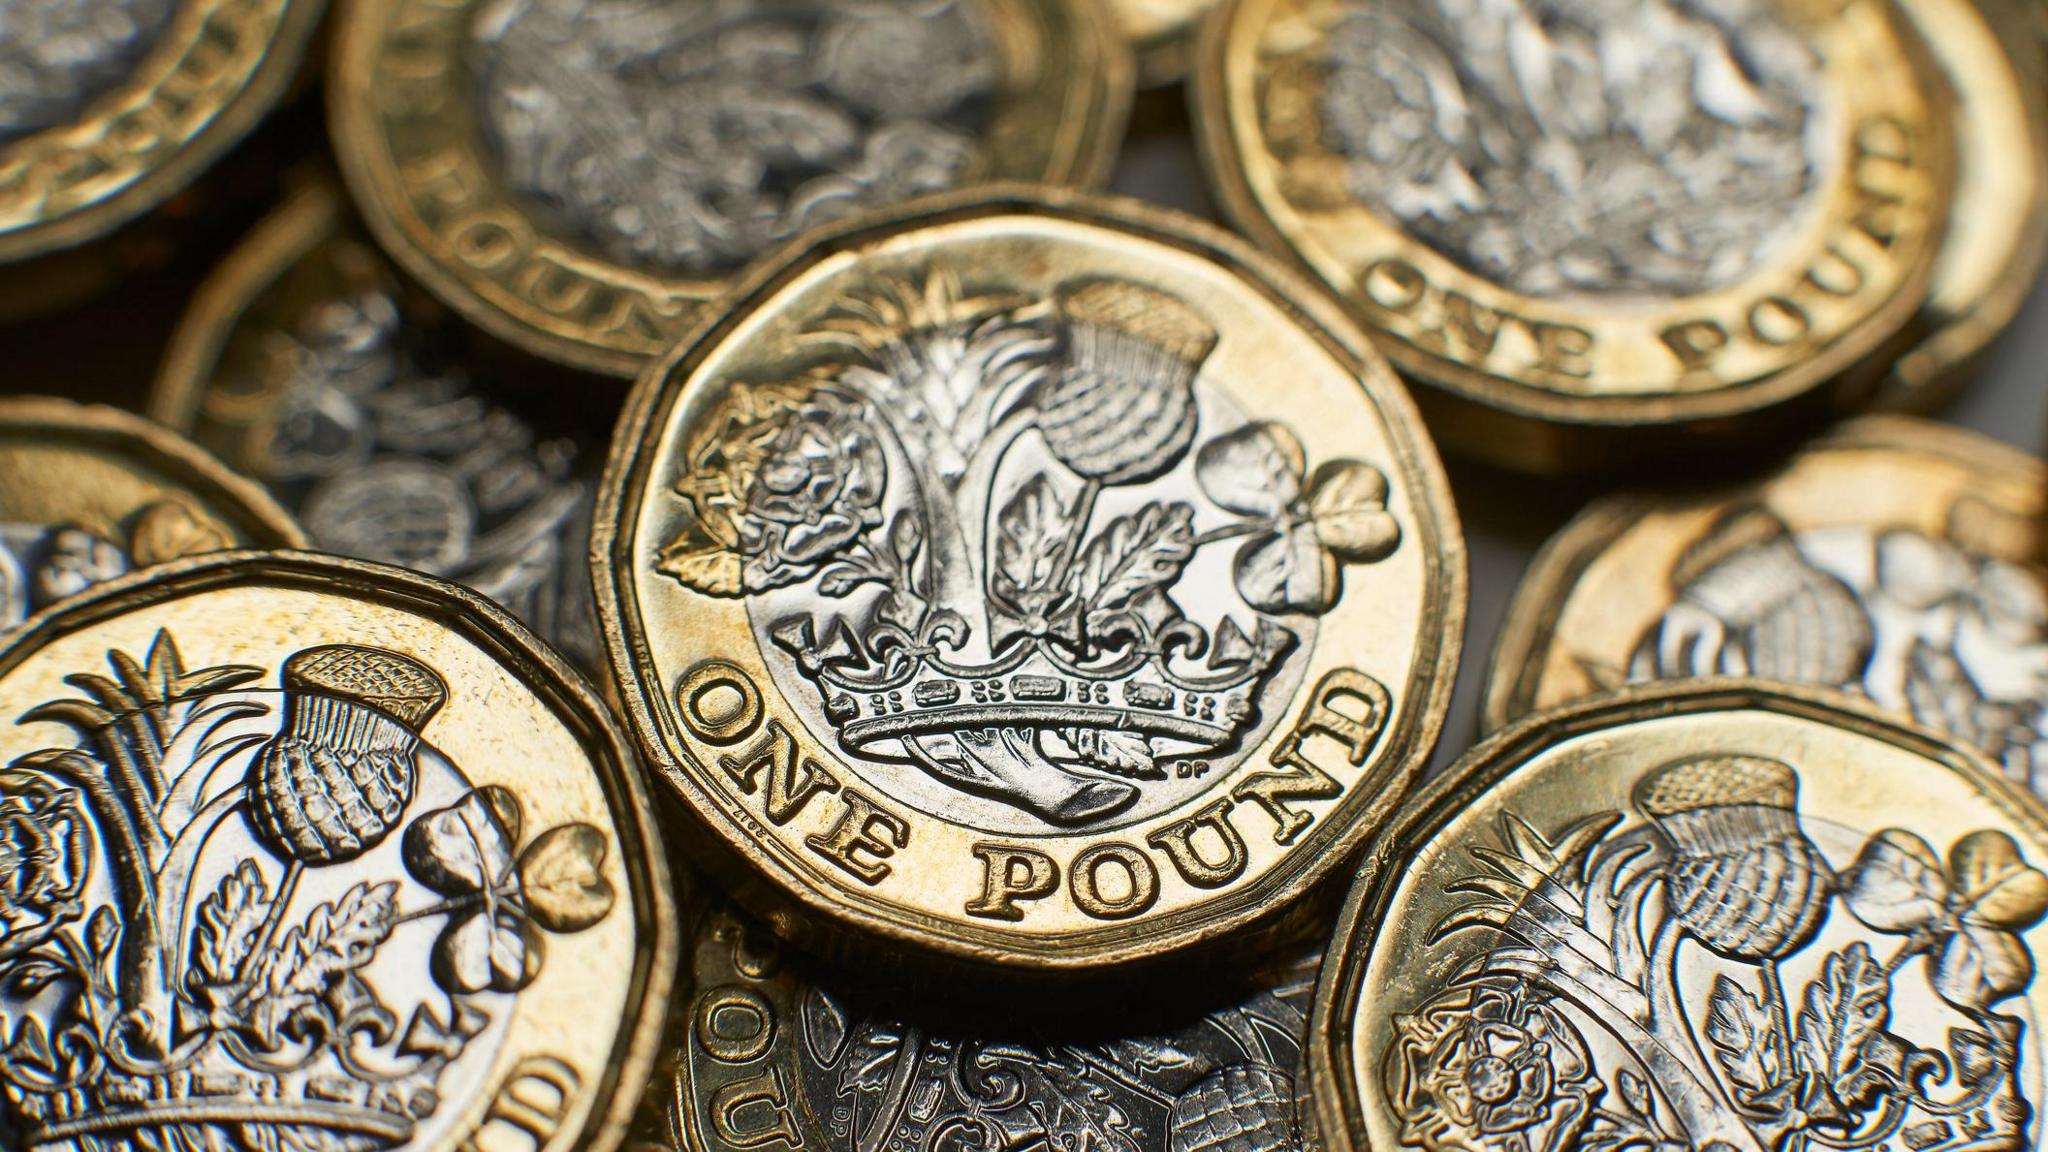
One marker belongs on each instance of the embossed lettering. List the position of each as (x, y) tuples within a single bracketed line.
[(1011, 874), (719, 702), (1178, 841), (791, 780), (532, 1101), (734, 1025), (1140, 884), (753, 1113), (1455, 321), (1298, 778), (864, 837)]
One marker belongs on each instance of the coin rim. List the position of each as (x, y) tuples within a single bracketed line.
[(371, 182), (224, 491), (1339, 1109), (1529, 627), (264, 90), (780, 897), (567, 696), (1855, 351)]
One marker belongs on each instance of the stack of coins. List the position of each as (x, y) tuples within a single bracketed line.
[(725, 575)]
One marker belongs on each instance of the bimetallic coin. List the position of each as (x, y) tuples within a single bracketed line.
[(1593, 231), (1720, 917), (303, 363), (110, 107), (88, 493), (1997, 233), (770, 1057), (1894, 560), (306, 853), (1042, 583), (1162, 31), (581, 179)]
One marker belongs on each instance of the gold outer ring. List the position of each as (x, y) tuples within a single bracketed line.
[(227, 493), (567, 694), (1530, 626), (1339, 1111), (777, 895), (220, 67), (1163, 34), (1097, 87), (1495, 417)]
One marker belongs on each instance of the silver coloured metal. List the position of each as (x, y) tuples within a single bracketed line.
[(58, 56), (691, 137), (1920, 625), (40, 565), (1633, 147), (1018, 560)]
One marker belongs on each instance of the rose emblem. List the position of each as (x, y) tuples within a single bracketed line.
[(782, 481), (43, 850), (1491, 1067)]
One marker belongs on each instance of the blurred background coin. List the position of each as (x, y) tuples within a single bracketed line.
[(767, 1049), (88, 493), (580, 179), (1594, 233), (305, 363), (1709, 917), (1892, 559), (341, 845), (1046, 584), (1163, 33)]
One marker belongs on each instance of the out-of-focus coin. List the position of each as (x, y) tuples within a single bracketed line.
[(770, 1056), (1893, 559), (1162, 31), (1709, 917), (1997, 232), (88, 493), (1042, 583), (108, 108), (307, 853), (1594, 232), (301, 363), (580, 179)]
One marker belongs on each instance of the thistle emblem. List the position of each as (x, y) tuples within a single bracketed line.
[(976, 523)]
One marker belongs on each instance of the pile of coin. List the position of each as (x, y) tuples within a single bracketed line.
[(689, 582)]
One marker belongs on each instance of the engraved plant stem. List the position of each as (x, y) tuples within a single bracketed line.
[(283, 899)]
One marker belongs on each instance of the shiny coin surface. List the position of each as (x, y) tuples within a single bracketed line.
[(1710, 917), (305, 853), (88, 493), (1997, 231), (303, 363), (1045, 583), (1892, 560), (580, 180), (1162, 32), (1590, 228), (109, 108), (770, 1057)]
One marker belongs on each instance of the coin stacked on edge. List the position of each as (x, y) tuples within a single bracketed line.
[(830, 633)]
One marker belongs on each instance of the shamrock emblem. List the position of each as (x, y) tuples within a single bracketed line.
[(1967, 913), (1304, 528), (500, 899)]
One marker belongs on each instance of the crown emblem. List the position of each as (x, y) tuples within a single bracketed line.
[(979, 524), (170, 984)]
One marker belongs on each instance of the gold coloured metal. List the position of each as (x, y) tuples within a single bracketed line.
[(322, 854), (1719, 915), (1162, 32), (1592, 241), (1047, 583), (582, 183), (1997, 233), (1893, 559), (88, 493), (304, 362), (125, 105), (771, 1053)]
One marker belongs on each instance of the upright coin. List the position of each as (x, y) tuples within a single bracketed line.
[(109, 108), (768, 1055), (1163, 33), (305, 853), (1893, 560), (1043, 583), (304, 364), (581, 179), (1592, 230), (89, 493), (1726, 918)]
